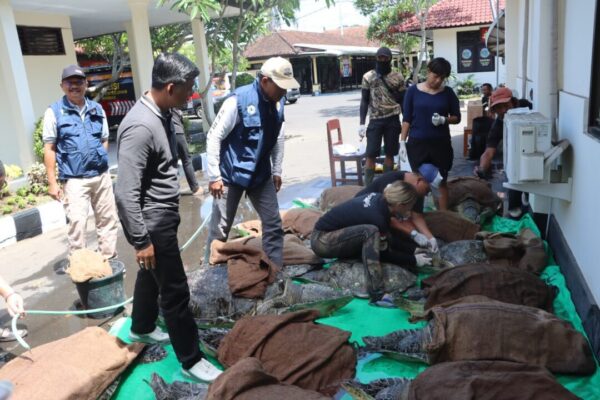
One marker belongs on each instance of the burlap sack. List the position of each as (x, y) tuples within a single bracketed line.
[(85, 264), (500, 331), (337, 195), (525, 250), (294, 250), (78, 367), (247, 380), (300, 221), (496, 281), (487, 380), (293, 349), (249, 270), (450, 226), (461, 188)]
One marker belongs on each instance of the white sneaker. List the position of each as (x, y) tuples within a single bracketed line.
[(156, 336), (203, 370)]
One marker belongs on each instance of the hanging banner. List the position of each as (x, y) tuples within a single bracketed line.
[(345, 67)]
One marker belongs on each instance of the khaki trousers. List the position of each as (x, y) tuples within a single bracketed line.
[(79, 193)]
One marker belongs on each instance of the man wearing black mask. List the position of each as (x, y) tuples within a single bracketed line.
[(382, 94)]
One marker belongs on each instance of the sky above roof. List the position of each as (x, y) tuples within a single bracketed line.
[(314, 16)]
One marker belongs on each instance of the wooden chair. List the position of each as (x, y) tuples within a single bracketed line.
[(346, 177)]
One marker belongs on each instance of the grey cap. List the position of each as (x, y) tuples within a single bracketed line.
[(72, 70)]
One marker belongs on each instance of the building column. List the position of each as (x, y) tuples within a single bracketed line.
[(316, 86), (16, 107), (140, 46), (203, 63)]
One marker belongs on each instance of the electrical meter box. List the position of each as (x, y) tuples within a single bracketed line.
[(527, 136)]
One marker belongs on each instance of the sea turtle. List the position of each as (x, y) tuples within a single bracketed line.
[(405, 345), (479, 328), (350, 274), (211, 300), (463, 252), (177, 390), (152, 353), (380, 389), (210, 339), (495, 280)]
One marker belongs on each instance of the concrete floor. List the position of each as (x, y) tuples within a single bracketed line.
[(31, 265)]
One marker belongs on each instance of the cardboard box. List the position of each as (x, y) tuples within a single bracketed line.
[(474, 110)]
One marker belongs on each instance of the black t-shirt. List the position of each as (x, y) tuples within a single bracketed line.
[(380, 183), (496, 133), (370, 209)]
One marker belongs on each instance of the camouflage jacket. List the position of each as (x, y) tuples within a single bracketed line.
[(382, 103)]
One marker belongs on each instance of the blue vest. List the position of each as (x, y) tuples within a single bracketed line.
[(79, 149), (246, 151)]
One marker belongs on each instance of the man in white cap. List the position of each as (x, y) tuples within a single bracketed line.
[(75, 135), (245, 151)]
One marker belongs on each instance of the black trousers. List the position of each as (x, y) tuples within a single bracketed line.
[(169, 281), (186, 161)]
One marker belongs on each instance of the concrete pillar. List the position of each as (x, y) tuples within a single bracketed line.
[(140, 46), (203, 63), (16, 107), (316, 86)]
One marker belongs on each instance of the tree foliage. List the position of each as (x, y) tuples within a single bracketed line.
[(169, 38), (113, 49), (385, 16)]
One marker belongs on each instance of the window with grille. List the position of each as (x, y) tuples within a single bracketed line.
[(38, 41)]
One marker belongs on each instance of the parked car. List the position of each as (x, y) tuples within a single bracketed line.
[(194, 103), (292, 95)]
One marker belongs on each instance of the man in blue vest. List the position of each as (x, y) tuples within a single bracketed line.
[(244, 152), (75, 135)]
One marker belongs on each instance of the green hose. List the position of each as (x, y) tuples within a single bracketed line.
[(80, 312), (48, 312)]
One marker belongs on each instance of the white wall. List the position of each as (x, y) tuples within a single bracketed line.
[(444, 45), (580, 219), (43, 72)]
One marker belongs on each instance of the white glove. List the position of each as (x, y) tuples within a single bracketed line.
[(403, 155), (422, 260), (433, 245), (362, 131), (420, 239), (438, 119)]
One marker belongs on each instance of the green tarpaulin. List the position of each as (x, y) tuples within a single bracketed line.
[(362, 319)]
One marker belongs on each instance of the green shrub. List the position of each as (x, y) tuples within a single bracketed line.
[(21, 202), (11, 201), (22, 192), (6, 209), (13, 171), (38, 143), (37, 175), (4, 192), (31, 199), (243, 79)]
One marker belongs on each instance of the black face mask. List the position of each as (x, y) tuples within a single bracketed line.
[(383, 67)]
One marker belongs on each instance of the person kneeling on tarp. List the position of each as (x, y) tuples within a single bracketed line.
[(360, 227)]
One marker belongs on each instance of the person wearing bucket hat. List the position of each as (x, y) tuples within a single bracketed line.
[(75, 136), (381, 96), (245, 151), (429, 108), (501, 101)]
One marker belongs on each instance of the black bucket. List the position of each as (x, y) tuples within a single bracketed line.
[(103, 292)]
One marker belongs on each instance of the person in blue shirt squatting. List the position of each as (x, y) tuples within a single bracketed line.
[(360, 227), (429, 107), (244, 154)]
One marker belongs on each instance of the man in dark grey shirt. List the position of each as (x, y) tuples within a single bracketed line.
[(147, 195)]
